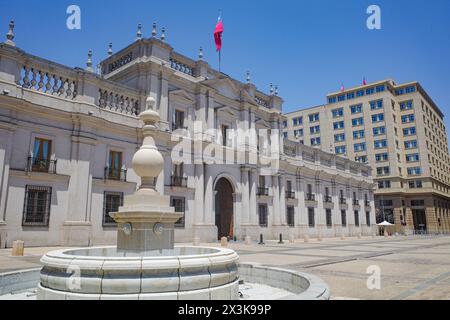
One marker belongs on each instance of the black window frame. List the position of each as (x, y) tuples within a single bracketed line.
[(356, 215), (263, 219), (344, 218), (181, 223), (46, 207), (290, 216), (311, 217), (105, 217), (329, 218)]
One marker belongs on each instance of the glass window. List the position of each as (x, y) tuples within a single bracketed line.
[(339, 137), (179, 204), (379, 131), (375, 105), (332, 100), (290, 216), (344, 218), (329, 219), (262, 214), (357, 122), (360, 134), (37, 206), (311, 218), (341, 150), (338, 125), (360, 93), (314, 117), (112, 202), (356, 108), (377, 117), (358, 147), (370, 91), (379, 144), (338, 112)]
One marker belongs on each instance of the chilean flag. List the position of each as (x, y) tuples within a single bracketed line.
[(364, 81), (218, 34)]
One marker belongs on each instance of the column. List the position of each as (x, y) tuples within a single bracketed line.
[(199, 193), (209, 210), (320, 216), (276, 201), (252, 200), (282, 183), (245, 197), (5, 155)]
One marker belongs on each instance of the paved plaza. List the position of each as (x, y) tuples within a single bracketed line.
[(411, 267)]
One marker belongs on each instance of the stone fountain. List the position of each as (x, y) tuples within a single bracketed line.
[(145, 264)]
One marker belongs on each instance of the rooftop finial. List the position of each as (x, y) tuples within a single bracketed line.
[(139, 32), (10, 34), (271, 88), (110, 52), (200, 54), (99, 69), (276, 90), (163, 34), (89, 62), (154, 30), (248, 77)]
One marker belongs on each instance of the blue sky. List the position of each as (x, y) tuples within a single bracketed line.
[(307, 48)]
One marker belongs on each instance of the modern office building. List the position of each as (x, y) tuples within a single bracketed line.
[(68, 135), (399, 131)]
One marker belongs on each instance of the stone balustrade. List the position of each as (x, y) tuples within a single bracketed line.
[(50, 82), (74, 84), (260, 100), (115, 100), (184, 67)]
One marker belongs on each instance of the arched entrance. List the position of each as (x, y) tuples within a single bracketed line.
[(224, 208)]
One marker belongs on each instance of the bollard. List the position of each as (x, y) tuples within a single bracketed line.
[(281, 239), (18, 248), (248, 240), (261, 239), (224, 242), (196, 241)]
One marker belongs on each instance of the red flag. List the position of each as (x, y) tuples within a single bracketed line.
[(364, 81), (218, 34), (342, 88)]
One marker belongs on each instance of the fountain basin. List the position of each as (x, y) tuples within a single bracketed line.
[(106, 273)]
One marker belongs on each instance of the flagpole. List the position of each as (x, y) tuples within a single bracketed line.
[(220, 59)]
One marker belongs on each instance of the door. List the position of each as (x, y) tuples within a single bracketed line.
[(224, 209)]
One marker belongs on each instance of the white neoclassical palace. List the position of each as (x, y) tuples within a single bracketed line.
[(67, 137)]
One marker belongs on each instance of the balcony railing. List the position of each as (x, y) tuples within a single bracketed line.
[(327, 199), (342, 201), (176, 181), (263, 191), (310, 197), (355, 202), (115, 174), (290, 194), (367, 203), (41, 165), (176, 126)]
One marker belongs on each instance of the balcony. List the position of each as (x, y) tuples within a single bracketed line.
[(263, 192), (176, 181), (327, 199), (367, 203), (115, 174), (41, 165), (310, 197), (342, 201), (290, 194), (355, 202), (177, 126)]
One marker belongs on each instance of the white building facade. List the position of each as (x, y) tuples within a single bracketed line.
[(68, 135)]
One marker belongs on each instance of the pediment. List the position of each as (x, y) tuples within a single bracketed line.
[(182, 96), (229, 111), (224, 87)]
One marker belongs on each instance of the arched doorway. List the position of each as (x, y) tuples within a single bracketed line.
[(224, 208)]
